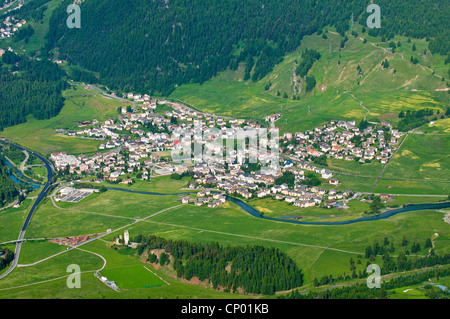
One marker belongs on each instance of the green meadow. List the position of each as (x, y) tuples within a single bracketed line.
[(385, 92), (12, 220), (37, 41), (318, 250), (422, 156), (158, 184), (34, 251), (52, 281), (51, 269), (132, 277), (122, 204), (80, 105), (50, 222)]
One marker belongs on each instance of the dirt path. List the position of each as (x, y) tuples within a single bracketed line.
[(360, 103), (22, 165), (406, 60)]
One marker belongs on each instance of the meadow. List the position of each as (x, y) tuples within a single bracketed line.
[(80, 105), (318, 250), (385, 92), (51, 222), (304, 243), (35, 43), (116, 203), (422, 156), (132, 277), (11, 221), (93, 288)]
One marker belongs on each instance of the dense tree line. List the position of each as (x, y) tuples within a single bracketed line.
[(375, 206), (402, 263), (320, 160), (10, 57), (35, 89), (425, 20), (362, 291), (287, 178), (8, 190), (83, 76), (390, 264), (266, 61), (24, 33), (358, 291), (412, 119), (311, 179), (6, 258), (150, 46), (440, 44), (308, 59), (310, 83), (254, 269), (33, 9), (14, 154)]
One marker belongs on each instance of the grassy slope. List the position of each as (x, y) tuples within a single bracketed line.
[(383, 92), (11, 221), (80, 105), (37, 41)]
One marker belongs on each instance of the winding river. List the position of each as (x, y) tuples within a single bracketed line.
[(28, 182), (255, 213)]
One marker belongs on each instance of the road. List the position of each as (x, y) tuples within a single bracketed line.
[(36, 203), (93, 87), (90, 240), (22, 165)]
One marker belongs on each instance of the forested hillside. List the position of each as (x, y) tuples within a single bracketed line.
[(254, 269), (8, 190), (29, 87), (153, 46)]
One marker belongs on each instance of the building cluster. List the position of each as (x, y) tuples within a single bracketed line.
[(10, 25), (125, 240), (233, 180), (133, 139), (110, 283), (205, 198), (343, 140), (63, 161)]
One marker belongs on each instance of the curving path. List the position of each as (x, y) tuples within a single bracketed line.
[(360, 103), (36, 203)]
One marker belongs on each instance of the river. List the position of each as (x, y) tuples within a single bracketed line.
[(255, 213), (16, 180)]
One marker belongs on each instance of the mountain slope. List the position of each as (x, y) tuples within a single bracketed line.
[(153, 46), (341, 91)]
